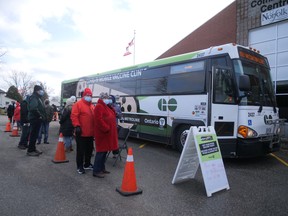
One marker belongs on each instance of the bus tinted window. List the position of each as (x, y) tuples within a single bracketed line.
[(187, 78), (128, 86), (154, 81), (221, 61), (189, 67), (69, 89)]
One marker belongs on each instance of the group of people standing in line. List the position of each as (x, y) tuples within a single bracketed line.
[(81, 120), (95, 123)]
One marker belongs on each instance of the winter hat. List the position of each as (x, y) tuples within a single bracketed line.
[(69, 102), (37, 88), (104, 95), (87, 91), (73, 98)]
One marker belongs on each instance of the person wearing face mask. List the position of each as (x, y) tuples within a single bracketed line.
[(83, 122), (106, 137), (36, 115)]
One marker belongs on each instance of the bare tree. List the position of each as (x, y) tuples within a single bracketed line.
[(46, 89), (21, 80), (2, 53)]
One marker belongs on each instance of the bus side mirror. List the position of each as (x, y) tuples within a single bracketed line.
[(244, 83)]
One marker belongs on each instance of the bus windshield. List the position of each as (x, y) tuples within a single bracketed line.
[(261, 84)]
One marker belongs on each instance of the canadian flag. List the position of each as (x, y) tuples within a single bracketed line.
[(131, 43)]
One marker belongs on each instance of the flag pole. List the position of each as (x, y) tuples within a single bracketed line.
[(134, 48)]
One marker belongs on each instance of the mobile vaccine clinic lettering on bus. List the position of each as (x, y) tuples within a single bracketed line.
[(130, 74)]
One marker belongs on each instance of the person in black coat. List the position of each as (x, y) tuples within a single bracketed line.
[(24, 122), (10, 111), (66, 127)]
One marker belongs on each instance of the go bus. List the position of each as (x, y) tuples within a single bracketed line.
[(228, 87)]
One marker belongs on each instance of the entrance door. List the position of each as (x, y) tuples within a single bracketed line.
[(224, 109)]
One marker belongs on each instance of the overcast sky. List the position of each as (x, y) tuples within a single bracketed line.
[(56, 40)]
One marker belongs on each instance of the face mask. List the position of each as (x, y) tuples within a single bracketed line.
[(88, 98), (106, 101), (41, 92)]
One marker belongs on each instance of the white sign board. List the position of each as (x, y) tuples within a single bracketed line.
[(188, 163), (274, 15), (208, 155), (210, 159)]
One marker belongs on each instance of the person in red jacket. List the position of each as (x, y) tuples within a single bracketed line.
[(83, 122), (106, 137), (17, 115)]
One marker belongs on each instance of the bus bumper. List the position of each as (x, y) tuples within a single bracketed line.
[(254, 148)]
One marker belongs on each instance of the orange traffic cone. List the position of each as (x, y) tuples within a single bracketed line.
[(129, 186), (8, 127), (15, 131), (60, 156)]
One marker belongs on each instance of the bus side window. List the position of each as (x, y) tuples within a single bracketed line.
[(223, 86)]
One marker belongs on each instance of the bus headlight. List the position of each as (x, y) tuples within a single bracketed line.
[(246, 132)]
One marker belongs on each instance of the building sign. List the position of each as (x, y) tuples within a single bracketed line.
[(267, 5), (275, 15)]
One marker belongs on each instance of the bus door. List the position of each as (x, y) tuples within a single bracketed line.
[(224, 109)]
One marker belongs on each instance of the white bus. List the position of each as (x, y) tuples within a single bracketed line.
[(228, 87)]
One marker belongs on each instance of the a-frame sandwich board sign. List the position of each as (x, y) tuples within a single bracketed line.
[(209, 157), (188, 162)]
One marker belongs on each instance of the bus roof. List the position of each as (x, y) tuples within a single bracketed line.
[(230, 48)]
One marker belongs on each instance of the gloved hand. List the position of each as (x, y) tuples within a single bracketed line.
[(78, 131)]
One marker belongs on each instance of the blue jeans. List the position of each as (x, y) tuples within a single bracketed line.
[(99, 162), (45, 129), (68, 141), (25, 135)]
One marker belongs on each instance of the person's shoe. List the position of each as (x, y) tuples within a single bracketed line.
[(105, 172), (22, 147), (46, 142), (38, 143), (98, 175), (81, 171), (34, 153), (39, 152), (90, 167)]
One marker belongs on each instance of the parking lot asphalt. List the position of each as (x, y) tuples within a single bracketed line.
[(37, 186)]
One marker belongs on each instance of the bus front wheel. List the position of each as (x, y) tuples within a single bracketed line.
[(181, 135)]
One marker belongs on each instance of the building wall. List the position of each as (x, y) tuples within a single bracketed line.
[(4, 101), (249, 16), (220, 29)]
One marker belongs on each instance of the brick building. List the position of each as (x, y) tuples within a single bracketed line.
[(261, 24)]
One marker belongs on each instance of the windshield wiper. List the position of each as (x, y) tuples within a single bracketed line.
[(260, 108)]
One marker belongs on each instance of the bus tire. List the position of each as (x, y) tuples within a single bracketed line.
[(181, 135)]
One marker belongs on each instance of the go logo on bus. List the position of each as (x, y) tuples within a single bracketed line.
[(171, 105)]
